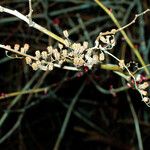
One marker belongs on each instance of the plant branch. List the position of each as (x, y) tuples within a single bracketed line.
[(34, 25), (135, 50)]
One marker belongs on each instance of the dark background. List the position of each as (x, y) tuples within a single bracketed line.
[(99, 121)]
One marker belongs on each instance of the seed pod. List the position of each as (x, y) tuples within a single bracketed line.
[(146, 99), (16, 47), (85, 44), (26, 47), (44, 55), (101, 56), (60, 46), (64, 53), (143, 86), (37, 54), (143, 92), (50, 66), (50, 49), (22, 50), (43, 62), (28, 60), (34, 66), (56, 54), (78, 61), (38, 62), (121, 64), (95, 59)]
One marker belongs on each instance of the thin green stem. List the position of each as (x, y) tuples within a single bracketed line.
[(135, 50)]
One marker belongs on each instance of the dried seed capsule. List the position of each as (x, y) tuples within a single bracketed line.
[(37, 54), (56, 54), (146, 99), (26, 47), (143, 86), (50, 66), (121, 64), (43, 62), (78, 61), (64, 53), (22, 50), (60, 46), (34, 66), (95, 59), (38, 62), (44, 55), (101, 56), (143, 92), (28, 60), (16, 47), (50, 49), (85, 44)]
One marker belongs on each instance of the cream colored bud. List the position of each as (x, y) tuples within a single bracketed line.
[(121, 64), (56, 54), (50, 49), (38, 62), (146, 99), (50, 66), (22, 50), (44, 55), (37, 54), (95, 59), (16, 47), (64, 53), (143, 86), (143, 92), (85, 44), (28, 60), (101, 56), (60, 46), (34, 66), (26, 47), (78, 61)]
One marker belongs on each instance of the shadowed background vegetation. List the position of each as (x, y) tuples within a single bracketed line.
[(67, 109)]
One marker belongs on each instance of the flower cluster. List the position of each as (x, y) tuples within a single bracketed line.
[(79, 54), (17, 49), (143, 85)]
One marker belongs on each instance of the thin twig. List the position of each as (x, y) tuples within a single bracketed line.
[(135, 50), (34, 25), (133, 21), (30, 13)]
